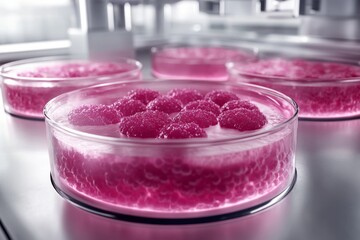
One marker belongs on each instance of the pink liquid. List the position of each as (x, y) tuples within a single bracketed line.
[(27, 91), (162, 180), (324, 99), (203, 63)]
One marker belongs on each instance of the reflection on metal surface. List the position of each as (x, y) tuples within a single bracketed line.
[(267, 224), (21, 130), (330, 158), (330, 136), (331, 19)]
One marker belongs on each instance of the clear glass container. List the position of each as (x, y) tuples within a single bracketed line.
[(324, 88), (27, 85), (228, 171), (197, 62)]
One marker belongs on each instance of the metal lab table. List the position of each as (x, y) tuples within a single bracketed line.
[(323, 205)]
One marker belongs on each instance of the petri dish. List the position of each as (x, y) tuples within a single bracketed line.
[(101, 169), (27, 85)]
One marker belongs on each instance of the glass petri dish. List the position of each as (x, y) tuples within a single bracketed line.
[(324, 88), (196, 62), (103, 171), (27, 85)]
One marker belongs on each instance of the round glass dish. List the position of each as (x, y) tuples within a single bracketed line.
[(323, 88), (229, 171), (195, 62), (27, 85)]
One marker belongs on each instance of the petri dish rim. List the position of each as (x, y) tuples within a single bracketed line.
[(173, 142)]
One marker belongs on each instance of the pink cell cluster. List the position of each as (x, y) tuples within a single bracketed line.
[(201, 63), (221, 97), (146, 121), (165, 104), (26, 93), (242, 119), (182, 130), (174, 179), (233, 104), (185, 95), (321, 89), (201, 117), (127, 106), (208, 106), (146, 124)]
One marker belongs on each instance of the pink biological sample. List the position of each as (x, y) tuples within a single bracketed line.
[(26, 89), (159, 176), (323, 90), (198, 63)]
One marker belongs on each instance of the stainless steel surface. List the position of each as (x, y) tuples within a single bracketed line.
[(228, 7), (9, 52), (91, 15), (101, 30), (324, 204), (332, 8), (101, 26), (2, 236), (270, 42), (331, 19), (335, 28), (29, 21), (2, 233), (101, 43)]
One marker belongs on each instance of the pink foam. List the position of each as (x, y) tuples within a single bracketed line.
[(176, 183)]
